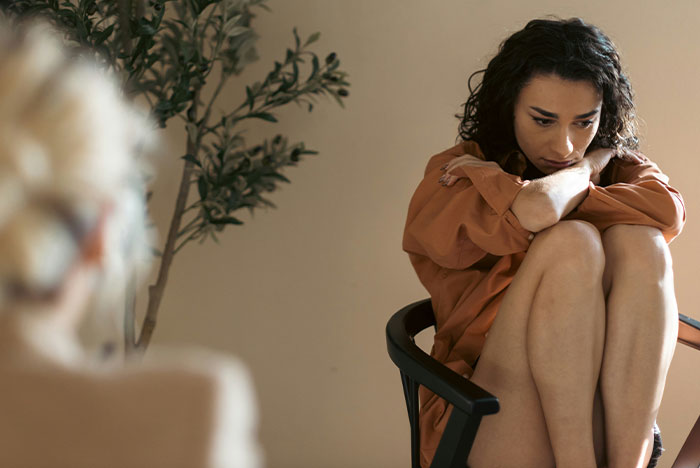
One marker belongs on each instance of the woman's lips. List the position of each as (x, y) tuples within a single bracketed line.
[(558, 164)]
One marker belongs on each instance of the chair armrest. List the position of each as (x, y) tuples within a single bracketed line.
[(437, 377), (689, 331)]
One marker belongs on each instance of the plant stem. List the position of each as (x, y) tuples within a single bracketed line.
[(191, 225), (155, 291), (124, 18), (207, 113), (191, 236)]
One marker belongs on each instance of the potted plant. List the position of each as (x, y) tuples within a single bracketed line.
[(167, 52)]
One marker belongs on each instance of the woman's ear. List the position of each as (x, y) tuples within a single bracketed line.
[(94, 243)]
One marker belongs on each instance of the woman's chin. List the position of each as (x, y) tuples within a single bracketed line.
[(547, 170)]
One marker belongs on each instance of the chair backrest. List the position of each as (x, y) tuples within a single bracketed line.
[(689, 331), (416, 367), (407, 323)]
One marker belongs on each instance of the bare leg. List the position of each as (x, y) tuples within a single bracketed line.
[(642, 325), (542, 356), (565, 348)]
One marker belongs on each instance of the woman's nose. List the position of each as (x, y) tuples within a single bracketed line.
[(562, 145)]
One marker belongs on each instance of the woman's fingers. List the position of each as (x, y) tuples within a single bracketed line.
[(448, 180), (630, 156), (461, 160)]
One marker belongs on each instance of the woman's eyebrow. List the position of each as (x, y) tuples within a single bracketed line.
[(554, 116)]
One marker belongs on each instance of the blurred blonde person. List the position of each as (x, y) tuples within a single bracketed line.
[(72, 232)]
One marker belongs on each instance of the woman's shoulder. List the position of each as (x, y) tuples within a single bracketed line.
[(460, 149), (192, 404), (632, 167)]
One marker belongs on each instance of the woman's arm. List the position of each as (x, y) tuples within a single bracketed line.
[(456, 228), (543, 202), (638, 193)]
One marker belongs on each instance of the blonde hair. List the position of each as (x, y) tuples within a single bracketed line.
[(70, 152)]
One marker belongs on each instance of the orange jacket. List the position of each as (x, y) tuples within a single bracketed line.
[(466, 245)]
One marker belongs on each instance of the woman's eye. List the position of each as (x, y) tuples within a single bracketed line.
[(585, 123), (543, 122)]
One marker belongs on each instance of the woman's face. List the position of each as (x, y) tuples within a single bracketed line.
[(555, 120)]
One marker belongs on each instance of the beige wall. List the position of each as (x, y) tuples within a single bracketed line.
[(302, 293)]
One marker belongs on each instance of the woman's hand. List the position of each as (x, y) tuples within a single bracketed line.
[(449, 178), (599, 158), (630, 155), (595, 161)]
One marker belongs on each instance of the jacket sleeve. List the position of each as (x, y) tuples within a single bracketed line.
[(639, 194), (457, 226)]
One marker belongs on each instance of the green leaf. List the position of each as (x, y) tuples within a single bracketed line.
[(226, 220), (230, 25), (102, 36), (297, 41), (315, 65), (312, 38), (250, 97), (284, 86), (279, 176), (264, 116), (266, 202), (236, 31), (338, 99), (192, 159), (203, 188), (163, 106), (146, 30)]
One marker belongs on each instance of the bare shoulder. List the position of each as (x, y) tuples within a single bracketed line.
[(191, 408)]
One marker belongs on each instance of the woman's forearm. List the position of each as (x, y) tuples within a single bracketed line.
[(543, 202)]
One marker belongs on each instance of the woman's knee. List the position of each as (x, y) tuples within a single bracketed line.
[(637, 250), (574, 245)]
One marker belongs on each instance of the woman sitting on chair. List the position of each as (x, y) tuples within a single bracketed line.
[(542, 240)]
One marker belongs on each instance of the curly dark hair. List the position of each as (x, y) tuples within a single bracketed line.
[(571, 49)]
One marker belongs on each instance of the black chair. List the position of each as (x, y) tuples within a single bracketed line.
[(470, 402)]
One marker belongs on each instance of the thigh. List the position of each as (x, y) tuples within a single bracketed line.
[(504, 370)]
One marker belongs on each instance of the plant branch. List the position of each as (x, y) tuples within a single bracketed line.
[(155, 291), (207, 113), (189, 238), (124, 20), (191, 225)]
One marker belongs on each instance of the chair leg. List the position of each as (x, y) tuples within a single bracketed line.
[(689, 456), (456, 441), (410, 392)]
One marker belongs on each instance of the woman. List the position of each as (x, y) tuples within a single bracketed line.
[(542, 239), (72, 229)]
